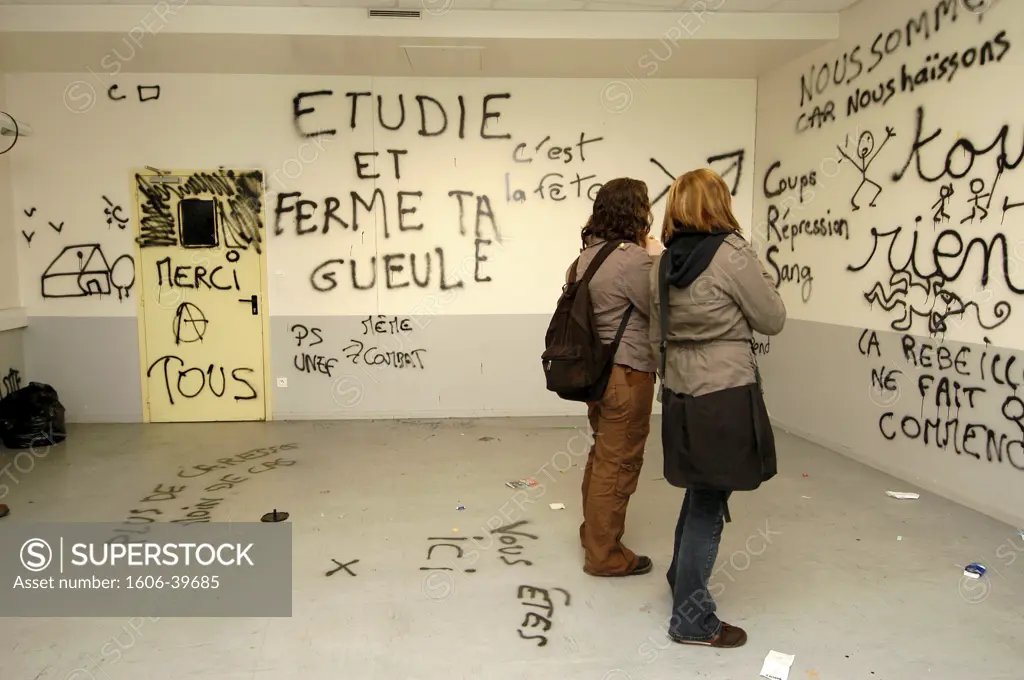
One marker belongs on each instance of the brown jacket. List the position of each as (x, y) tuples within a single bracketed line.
[(622, 279)]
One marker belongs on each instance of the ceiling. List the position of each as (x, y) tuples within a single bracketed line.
[(518, 40), (774, 6), (387, 56)]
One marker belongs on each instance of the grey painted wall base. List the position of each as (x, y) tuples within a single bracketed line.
[(347, 368), (412, 367), (92, 362), (819, 385)]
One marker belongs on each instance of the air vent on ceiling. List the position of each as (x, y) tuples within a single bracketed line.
[(394, 13)]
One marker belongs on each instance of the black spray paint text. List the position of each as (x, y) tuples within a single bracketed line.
[(566, 153), (401, 270), (432, 118), (948, 256), (776, 186), (851, 65), (187, 276), (799, 274), (826, 226), (959, 159), (937, 67), (193, 381)]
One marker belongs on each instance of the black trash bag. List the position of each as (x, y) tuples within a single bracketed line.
[(31, 417)]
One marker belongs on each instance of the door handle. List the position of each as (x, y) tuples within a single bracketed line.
[(255, 302)]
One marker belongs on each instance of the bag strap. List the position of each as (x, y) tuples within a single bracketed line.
[(663, 309), (618, 333), (598, 260)]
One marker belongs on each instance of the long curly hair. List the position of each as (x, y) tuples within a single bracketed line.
[(622, 211)]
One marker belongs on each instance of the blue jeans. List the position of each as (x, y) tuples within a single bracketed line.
[(698, 533)]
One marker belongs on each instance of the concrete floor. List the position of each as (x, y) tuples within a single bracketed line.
[(810, 566)]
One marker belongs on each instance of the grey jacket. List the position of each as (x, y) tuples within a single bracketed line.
[(710, 323), (622, 279)]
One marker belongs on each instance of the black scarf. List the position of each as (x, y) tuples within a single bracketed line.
[(690, 252)]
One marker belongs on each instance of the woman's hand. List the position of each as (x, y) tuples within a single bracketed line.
[(654, 246)]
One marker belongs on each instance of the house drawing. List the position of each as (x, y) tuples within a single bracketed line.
[(78, 271)]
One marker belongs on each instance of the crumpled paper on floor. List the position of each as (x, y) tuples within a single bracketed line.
[(777, 665), (903, 495)]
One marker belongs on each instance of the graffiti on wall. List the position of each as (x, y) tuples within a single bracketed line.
[(83, 270), (381, 343), (855, 68), (547, 168), (955, 399), (926, 236), (398, 212), (729, 165), (171, 203), (10, 382)]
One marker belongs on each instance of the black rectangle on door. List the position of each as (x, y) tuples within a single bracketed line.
[(197, 222)]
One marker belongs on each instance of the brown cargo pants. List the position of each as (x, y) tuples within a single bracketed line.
[(621, 422)]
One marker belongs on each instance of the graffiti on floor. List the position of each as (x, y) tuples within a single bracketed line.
[(452, 542), (240, 459), (534, 621), (342, 566), (157, 506), (512, 546)]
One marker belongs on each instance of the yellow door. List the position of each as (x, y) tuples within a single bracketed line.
[(200, 264)]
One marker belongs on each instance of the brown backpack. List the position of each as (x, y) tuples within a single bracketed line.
[(576, 363)]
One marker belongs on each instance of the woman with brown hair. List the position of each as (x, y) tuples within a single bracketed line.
[(709, 292), (620, 421)]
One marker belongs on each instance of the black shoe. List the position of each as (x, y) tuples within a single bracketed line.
[(643, 566)]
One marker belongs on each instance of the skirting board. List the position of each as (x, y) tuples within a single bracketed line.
[(429, 415), (12, 318), (103, 418), (946, 492)]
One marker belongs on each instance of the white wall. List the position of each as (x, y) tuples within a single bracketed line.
[(243, 121), (9, 296), (12, 365), (86, 146), (907, 287)]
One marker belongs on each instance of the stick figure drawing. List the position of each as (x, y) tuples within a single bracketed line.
[(866, 153)]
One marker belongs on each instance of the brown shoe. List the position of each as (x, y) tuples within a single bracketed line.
[(728, 637), (643, 566)]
